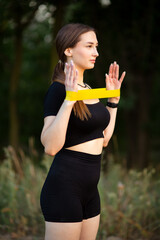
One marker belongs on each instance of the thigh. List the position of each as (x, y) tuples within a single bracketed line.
[(90, 228), (62, 231), (93, 205), (60, 198)]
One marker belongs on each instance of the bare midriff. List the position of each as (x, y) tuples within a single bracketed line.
[(94, 146)]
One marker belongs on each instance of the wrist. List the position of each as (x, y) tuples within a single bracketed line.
[(114, 100), (69, 103), (112, 105)]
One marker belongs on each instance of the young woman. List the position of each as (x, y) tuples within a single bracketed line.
[(75, 132)]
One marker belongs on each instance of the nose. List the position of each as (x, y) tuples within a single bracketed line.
[(95, 52)]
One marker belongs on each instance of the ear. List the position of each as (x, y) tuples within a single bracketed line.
[(68, 52)]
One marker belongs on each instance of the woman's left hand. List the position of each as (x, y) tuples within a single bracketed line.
[(112, 80)]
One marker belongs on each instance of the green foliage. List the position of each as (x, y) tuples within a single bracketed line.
[(20, 186), (127, 31), (130, 200), (34, 80), (130, 203)]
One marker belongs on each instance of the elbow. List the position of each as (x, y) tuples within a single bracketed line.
[(105, 142), (52, 150), (107, 138), (49, 151), (52, 147), (48, 148)]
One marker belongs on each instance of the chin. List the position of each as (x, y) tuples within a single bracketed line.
[(90, 66)]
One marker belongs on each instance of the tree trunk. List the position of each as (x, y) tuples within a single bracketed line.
[(14, 82), (143, 133), (58, 17), (20, 26), (138, 118), (137, 127)]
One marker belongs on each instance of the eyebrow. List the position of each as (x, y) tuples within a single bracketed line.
[(91, 43)]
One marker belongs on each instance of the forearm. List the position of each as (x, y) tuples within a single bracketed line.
[(108, 132), (112, 82), (53, 138)]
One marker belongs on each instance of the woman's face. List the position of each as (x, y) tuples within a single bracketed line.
[(85, 52)]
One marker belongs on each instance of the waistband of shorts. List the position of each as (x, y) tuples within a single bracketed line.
[(81, 155)]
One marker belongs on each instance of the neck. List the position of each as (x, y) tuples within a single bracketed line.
[(80, 76)]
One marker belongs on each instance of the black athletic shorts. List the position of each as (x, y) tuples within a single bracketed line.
[(70, 193)]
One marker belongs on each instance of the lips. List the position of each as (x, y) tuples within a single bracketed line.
[(93, 61)]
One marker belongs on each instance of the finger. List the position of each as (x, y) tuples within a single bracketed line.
[(75, 81), (107, 80), (74, 74), (65, 68), (117, 72), (114, 69), (67, 72), (122, 77), (111, 70), (71, 73), (68, 77), (107, 77)]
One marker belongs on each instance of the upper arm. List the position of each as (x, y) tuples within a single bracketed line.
[(52, 103), (54, 99), (47, 122)]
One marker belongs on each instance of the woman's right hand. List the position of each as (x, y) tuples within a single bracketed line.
[(71, 77)]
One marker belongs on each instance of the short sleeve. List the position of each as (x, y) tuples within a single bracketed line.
[(54, 99)]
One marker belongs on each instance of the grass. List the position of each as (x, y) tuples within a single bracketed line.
[(20, 186), (130, 200), (130, 203)]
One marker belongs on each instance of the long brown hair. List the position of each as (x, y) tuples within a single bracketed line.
[(67, 37)]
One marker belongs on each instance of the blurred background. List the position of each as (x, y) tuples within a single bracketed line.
[(128, 32)]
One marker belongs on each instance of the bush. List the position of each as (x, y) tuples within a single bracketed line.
[(130, 200), (130, 203), (20, 186)]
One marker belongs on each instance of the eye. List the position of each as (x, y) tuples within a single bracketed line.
[(89, 46)]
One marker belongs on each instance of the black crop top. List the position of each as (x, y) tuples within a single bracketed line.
[(78, 131)]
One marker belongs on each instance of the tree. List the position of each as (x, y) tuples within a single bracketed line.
[(18, 15)]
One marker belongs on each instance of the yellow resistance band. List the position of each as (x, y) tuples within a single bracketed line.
[(91, 94)]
